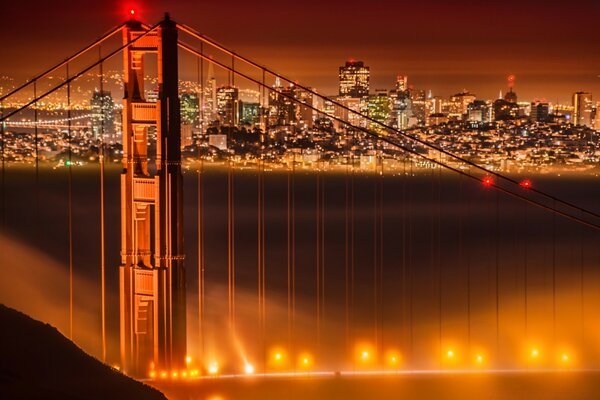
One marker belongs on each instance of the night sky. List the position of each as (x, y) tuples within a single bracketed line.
[(446, 46)]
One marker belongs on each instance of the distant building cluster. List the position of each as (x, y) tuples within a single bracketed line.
[(289, 122)]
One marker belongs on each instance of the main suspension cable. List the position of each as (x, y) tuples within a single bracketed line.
[(404, 148), (387, 127)]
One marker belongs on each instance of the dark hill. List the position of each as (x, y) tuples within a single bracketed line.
[(37, 362)]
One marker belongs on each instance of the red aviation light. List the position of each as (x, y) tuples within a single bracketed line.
[(488, 181), (132, 12), (526, 183)]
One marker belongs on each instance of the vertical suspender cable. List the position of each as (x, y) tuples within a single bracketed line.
[(289, 257), (468, 262), (581, 288), (497, 271), (375, 261), (102, 215), (37, 165), (553, 275), (70, 204), (318, 253), (437, 251), (2, 173), (200, 204), (352, 251), (346, 258), (323, 249), (403, 286)]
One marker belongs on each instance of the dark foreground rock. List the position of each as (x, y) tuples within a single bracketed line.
[(37, 362)]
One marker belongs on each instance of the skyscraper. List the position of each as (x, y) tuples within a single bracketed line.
[(190, 109), (379, 108), (582, 108), (228, 105), (103, 114), (540, 111), (401, 103), (354, 79)]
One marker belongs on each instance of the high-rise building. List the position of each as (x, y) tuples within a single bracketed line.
[(210, 97), (379, 109), (459, 104), (401, 103), (419, 106), (284, 111), (354, 79), (540, 111), (249, 113), (582, 108), (103, 114), (478, 111), (190, 109), (228, 105)]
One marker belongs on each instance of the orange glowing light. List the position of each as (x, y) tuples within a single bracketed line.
[(450, 353), (565, 357), (184, 374), (117, 367), (535, 353), (152, 374), (188, 360), (305, 360), (249, 369), (174, 374), (479, 359), (213, 368), (365, 355), (163, 374)]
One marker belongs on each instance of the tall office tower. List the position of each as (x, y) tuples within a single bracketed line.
[(190, 109), (478, 111), (228, 105), (419, 106), (379, 109), (540, 111), (354, 79), (511, 96), (459, 104), (151, 273), (401, 103), (210, 97), (582, 108), (103, 114)]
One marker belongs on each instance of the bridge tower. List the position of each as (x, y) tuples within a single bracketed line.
[(152, 274)]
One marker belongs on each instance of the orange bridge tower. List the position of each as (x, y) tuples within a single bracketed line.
[(152, 274)]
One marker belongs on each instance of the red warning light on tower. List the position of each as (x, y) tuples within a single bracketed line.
[(488, 181), (511, 80)]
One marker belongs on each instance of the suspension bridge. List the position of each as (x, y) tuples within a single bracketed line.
[(421, 261)]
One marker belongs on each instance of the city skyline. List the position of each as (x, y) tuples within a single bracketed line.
[(443, 47)]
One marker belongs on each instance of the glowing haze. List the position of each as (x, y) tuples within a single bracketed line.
[(445, 46)]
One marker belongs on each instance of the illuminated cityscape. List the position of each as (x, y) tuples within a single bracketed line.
[(181, 220)]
